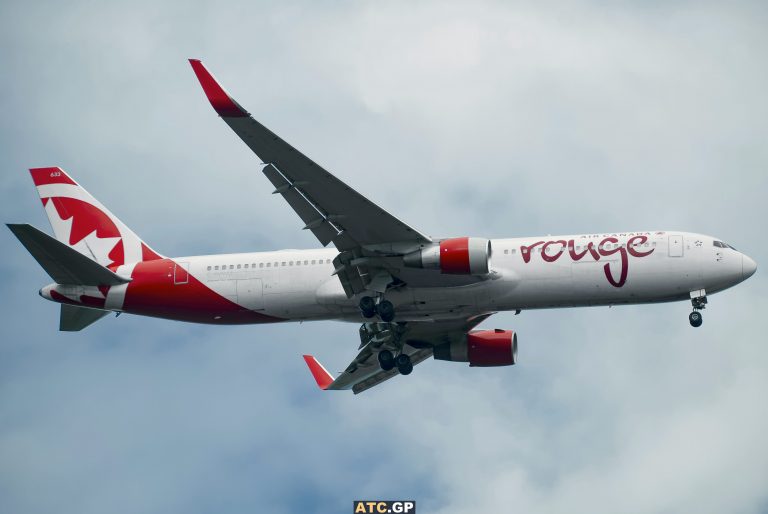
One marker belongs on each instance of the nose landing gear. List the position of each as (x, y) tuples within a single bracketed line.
[(699, 302), (695, 318)]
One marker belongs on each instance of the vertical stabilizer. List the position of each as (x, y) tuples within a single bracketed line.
[(84, 224)]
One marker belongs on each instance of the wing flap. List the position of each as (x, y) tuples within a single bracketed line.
[(314, 218)]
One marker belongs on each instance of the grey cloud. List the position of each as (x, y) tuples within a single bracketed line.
[(483, 118)]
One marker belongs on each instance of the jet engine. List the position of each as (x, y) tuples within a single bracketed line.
[(457, 256), (481, 348)]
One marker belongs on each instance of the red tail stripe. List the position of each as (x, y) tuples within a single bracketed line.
[(53, 175)]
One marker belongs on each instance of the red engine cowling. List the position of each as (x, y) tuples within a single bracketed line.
[(457, 256), (481, 348)]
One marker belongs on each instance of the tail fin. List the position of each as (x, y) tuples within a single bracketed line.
[(84, 224)]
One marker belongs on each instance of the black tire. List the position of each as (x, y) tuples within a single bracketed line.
[(367, 307), (386, 311), (404, 366), (696, 319), (386, 360), (403, 358)]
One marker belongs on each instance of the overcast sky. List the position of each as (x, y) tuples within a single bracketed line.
[(478, 118)]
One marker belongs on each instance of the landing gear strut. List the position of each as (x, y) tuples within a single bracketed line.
[(386, 340), (698, 302)]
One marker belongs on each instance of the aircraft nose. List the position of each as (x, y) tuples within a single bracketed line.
[(748, 267)]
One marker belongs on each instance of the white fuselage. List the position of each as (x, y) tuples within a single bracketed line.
[(526, 273)]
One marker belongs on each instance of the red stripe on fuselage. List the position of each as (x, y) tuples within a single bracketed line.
[(152, 292)]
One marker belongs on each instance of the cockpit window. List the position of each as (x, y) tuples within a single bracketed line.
[(720, 244)]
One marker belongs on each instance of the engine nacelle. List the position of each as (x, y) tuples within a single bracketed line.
[(457, 256), (481, 348)]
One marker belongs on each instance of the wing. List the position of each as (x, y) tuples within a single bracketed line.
[(415, 339), (332, 210)]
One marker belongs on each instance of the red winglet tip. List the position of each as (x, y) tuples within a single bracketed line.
[(220, 100), (50, 175), (322, 377)]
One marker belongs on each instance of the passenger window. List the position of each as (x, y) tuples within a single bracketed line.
[(238, 266), (306, 262), (245, 266), (216, 268), (283, 263), (313, 261), (269, 265), (231, 266), (261, 265), (328, 261), (209, 268), (506, 251)]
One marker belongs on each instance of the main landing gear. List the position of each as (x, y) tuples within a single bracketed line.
[(402, 362), (699, 302), (386, 341), (370, 308)]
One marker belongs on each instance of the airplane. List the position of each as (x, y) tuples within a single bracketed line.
[(416, 296)]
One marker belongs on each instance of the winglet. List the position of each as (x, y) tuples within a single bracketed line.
[(219, 98), (322, 377)]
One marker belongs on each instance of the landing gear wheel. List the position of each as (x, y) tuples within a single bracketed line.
[(386, 360), (404, 364), (386, 311), (367, 307), (695, 318)]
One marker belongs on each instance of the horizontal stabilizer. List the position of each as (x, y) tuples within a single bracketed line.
[(74, 318), (62, 263)]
